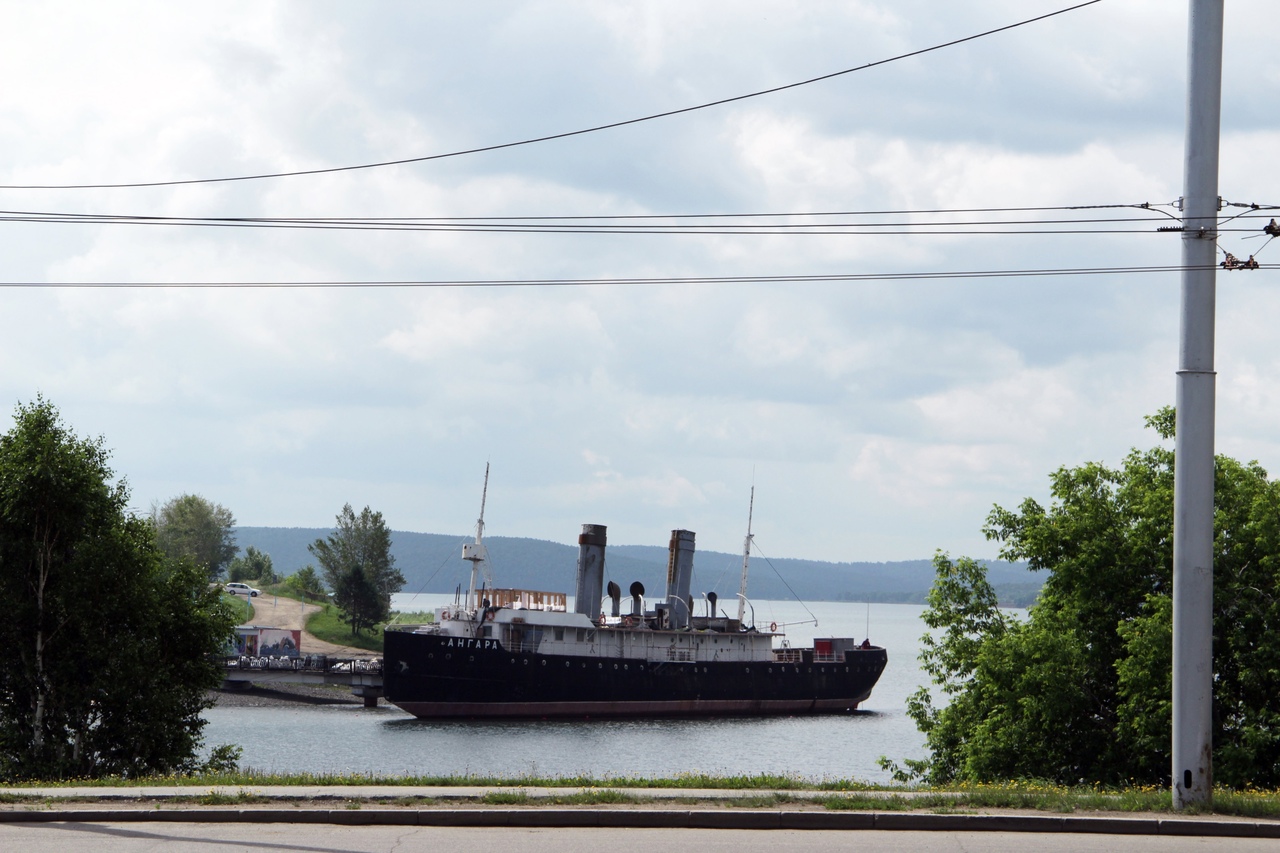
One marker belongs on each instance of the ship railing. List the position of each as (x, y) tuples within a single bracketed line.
[(685, 655), (525, 646), (787, 655), (828, 657)]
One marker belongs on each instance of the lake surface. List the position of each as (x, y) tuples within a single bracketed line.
[(387, 741)]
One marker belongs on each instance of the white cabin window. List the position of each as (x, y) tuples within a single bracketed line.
[(559, 632)]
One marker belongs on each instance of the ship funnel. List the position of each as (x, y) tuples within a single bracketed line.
[(615, 593), (590, 571), (711, 602), (637, 593), (679, 576)]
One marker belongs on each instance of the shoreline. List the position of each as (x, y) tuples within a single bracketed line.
[(279, 694)]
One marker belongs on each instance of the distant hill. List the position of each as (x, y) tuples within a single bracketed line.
[(432, 562)]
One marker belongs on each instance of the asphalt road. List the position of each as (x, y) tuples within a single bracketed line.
[(322, 838)]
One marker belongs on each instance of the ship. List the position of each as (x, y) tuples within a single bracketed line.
[(519, 653)]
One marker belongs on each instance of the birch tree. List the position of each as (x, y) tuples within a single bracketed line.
[(107, 642)]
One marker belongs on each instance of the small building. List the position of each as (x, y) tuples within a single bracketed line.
[(258, 641)]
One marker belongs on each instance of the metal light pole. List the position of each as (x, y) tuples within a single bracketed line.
[(1193, 471)]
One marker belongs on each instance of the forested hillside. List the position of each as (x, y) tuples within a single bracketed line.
[(431, 562)]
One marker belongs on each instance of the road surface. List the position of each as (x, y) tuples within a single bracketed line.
[(324, 838)]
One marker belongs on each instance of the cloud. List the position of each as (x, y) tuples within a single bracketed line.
[(882, 418)]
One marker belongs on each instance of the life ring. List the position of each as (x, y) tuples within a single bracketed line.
[(629, 622), (444, 614), (773, 626), (489, 615)]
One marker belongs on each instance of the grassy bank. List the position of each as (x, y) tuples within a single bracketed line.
[(326, 624), (774, 791), (240, 606)]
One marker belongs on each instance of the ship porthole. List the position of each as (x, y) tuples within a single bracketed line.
[(566, 663), (448, 657), (615, 666), (544, 663), (846, 669), (430, 656), (471, 659), (526, 663), (513, 660), (599, 666), (625, 667)]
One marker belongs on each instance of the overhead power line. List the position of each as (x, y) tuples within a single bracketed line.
[(994, 221), (554, 136), (609, 282)]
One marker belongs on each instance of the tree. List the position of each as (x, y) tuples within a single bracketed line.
[(1080, 691), (306, 582), (358, 566), (252, 565), (107, 643), (191, 526)]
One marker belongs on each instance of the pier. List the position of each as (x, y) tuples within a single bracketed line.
[(362, 675)]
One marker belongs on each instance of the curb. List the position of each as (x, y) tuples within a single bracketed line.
[(664, 819)]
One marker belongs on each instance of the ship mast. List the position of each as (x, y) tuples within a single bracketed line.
[(746, 558), (475, 552)]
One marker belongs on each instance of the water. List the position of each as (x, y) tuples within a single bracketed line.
[(387, 741)]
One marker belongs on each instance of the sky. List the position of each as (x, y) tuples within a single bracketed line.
[(878, 418)]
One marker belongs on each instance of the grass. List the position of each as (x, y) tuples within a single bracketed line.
[(241, 798), (326, 624), (774, 792), (240, 606)]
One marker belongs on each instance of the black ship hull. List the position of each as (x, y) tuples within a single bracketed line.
[(438, 676)]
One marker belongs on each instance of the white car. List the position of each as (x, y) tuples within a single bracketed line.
[(242, 589)]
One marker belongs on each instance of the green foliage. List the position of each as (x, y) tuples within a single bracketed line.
[(306, 583), (224, 758), (329, 624), (240, 798), (252, 566), (191, 527), (358, 566), (107, 643), (240, 608), (1080, 691)]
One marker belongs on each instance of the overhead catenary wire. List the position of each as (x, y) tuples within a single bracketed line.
[(609, 282), (554, 136), (775, 223)]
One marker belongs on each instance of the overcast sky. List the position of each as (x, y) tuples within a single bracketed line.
[(880, 420)]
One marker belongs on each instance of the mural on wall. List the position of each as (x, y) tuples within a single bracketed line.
[(279, 642), (252, 641)]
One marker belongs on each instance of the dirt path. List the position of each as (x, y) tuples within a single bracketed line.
[(271, 611)]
